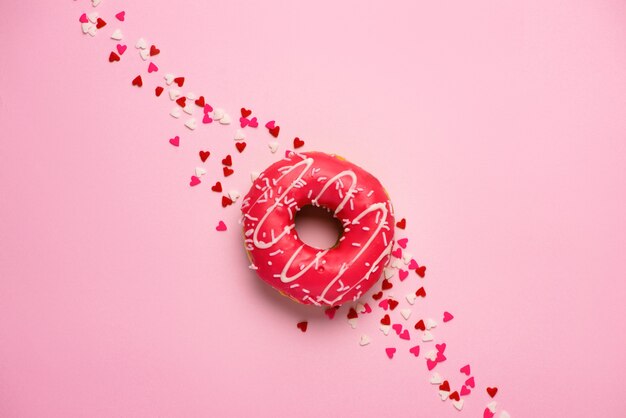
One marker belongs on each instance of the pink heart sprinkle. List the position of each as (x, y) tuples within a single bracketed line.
[(384, 304), (441, 347), (83, 18), (415, 350), (270, 124), (121, 16), (397, 328), (403, 274), (221, 226), (152, 68), (367, 307), (430, 364), (207, 108), (470, 382), (487, 413), (402, 242), (413, 265), (390, 352), (447, 316), (253, 123), (405, 335), (440, 357), (465, 370), (176, 142), (397, 253), (121, 49), (194, 181), (207, 118), (464, 391)]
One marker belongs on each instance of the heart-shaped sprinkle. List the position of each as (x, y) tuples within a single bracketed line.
[(191, 123), (175, 112), (492, 406), (83, 18), (227, 171), (487, 413), (465, 391), (330, 312), (155, 51), (430, 364), (95, 3), (421, 292), (208, 108), (100, 23), (441, 347), (137, 81), (397, 328), (406, 313), (254, 175), (455, 396), (384, 304), (352, 322), (174, 94), (445, 386), (405, 335), (117, 35), (302, 326), (227, 160), (175, 141), (234, 195), (275, 131), (491, 391), (226, 201), (253, 123), (188, 109), (144, 54), (465, 370), (221, 226), (158, 91), (121, 16), (180, 81), (403, 274), (427, 336), (397, 253), (195, 180), (206, 118), (225, 120), (152, 68), (458, 404), (200, 171), (240, 146), (415, 350), (393, 304), (420, 325), (412, 265), (390, 352), (421, 271), (113, 57), (411, 298), (181, 101), (401, 223), (352, 313), (141, 44), (440, 357), (430, 323), (245, 112), (386, 320), (273, 145), (200, 102), (365, 340), (435, 379), (377, 296), (470, 382), (270, 124), (121, 49), (239, 135), (402, 242), (217, 187), (297, 143), (169, 78), (93, 17), (504, 414), (386, 284)]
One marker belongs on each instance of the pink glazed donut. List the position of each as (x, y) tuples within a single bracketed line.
[(306, 274)]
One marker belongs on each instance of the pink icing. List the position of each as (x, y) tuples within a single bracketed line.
[(306, 274)]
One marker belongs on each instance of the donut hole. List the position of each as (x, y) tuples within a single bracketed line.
[(317, 227)]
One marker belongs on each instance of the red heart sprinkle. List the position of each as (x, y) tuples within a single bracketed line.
[(240, 146), (100, 23), (274, 131), (421, 292), (386, 284), (455, 396), (420, 325), (421, 271), (401, 224), (392, 304), (386, 320), (352, 314), (297, 142), (377, 296), (203, 156), (226, 201), (137, 81), (445, 386), (245, 112), (114, 57), (227, 161), (154, 51), (228, 171), (158, 91), (217, 187), (492, 391), (330, 312), (180, 81), (303, 326), (200, 101), (181, 101)]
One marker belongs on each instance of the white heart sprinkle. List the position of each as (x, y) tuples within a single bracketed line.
[(169, 79), (189, 108), (365, 340), (360, 308), (458, 404), (175, 112), (389, 272), (117, 35), (200, 171), (411, 298), (273, 146), (191, 123), (430, 323), (225, 120), (86, 26), (504, 414), (397, 263), (141, 44), (95, 3), (144, 54), (353, 322), (492, 406), (427, 336), (234, 195), (191, 96), (239, 135), (431, 355), (444, 394), (406, 313), (254, 175), (174, 94), (385, 329), (406, 257), (92, 30), (436, 379), (93, 17), (217, 114)]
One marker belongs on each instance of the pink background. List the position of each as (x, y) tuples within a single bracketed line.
[(498, 127)]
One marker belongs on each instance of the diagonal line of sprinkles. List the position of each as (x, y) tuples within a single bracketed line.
[(414, 331)]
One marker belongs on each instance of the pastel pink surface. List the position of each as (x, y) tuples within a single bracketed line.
[(497, 128)]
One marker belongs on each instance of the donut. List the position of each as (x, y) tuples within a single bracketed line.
[(308, 275)]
